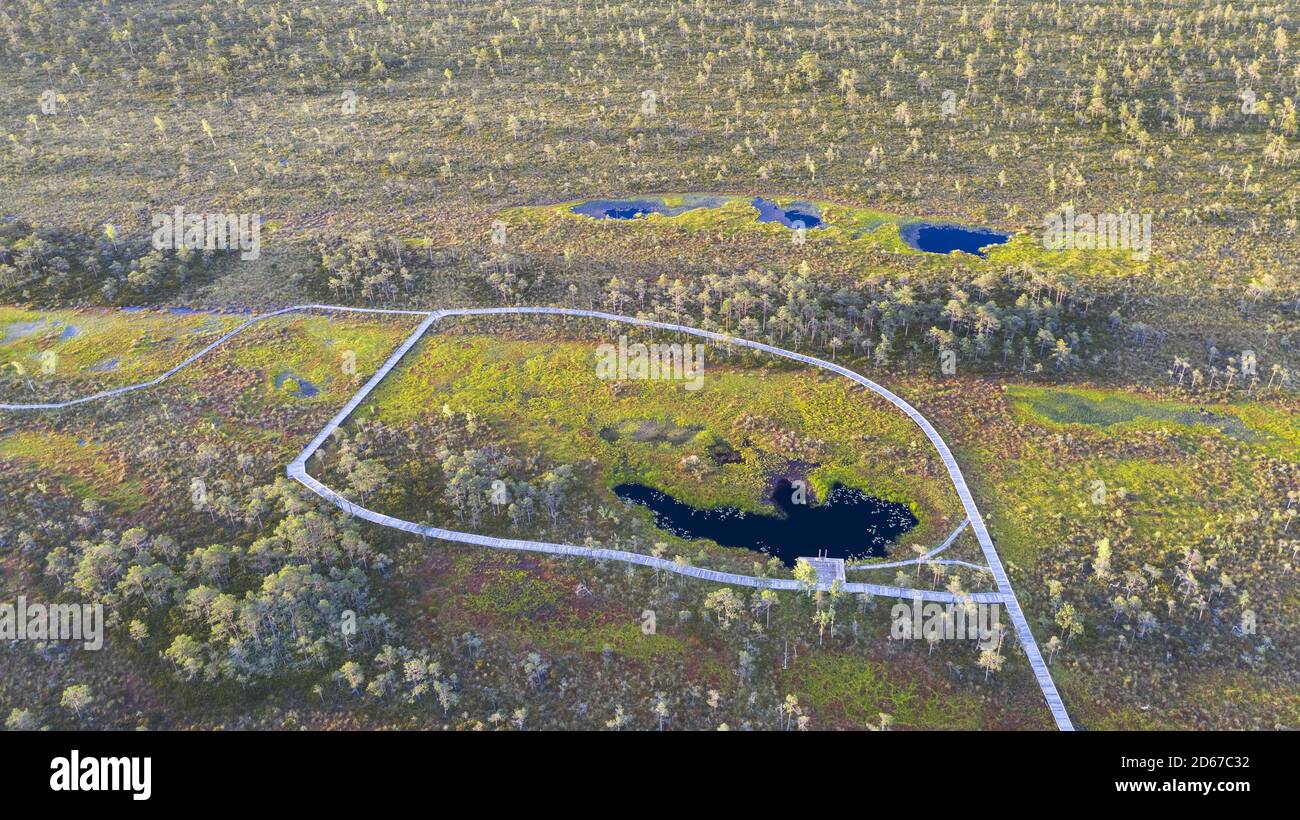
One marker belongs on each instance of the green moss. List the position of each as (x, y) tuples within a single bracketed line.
[(85, 468), (624, 639), (1035, 499), (843, 689), (545, 397), (1115, 411), (141, 344), (514, 593), (849, 228), (331, 353)]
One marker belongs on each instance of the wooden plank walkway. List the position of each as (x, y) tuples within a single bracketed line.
[(925, 559), (297, 469), (829, 570), (225, 337)]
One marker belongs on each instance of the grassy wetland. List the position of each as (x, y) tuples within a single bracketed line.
[(1125, 412)]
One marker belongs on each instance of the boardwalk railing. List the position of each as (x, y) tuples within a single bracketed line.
[(297, 469), (1005, 594)]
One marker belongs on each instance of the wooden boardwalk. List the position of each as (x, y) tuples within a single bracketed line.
[(829, 570), (1005, 594), (297, 469)]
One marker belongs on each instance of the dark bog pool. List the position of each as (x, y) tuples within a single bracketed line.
[(942, 238), (637, 208), (304, 390), (796, 214), (848, 524)]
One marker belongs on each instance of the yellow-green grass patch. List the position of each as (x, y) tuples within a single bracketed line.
[(849, 691), (108, 348), (546, 397), (1270, 427), (85, 468), (1023, 496), (850, 227), (333, 354)]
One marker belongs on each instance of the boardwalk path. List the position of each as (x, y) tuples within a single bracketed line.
[(924, 559), (297, 470)]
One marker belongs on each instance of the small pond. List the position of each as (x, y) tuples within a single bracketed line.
[(931, 237), (21, 330), (304, 389), (637, 208), (794, 215), (935, 237), (850, 524)]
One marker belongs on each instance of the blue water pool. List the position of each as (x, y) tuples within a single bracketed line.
[(936, 237), (848, 524), (794, 215)]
